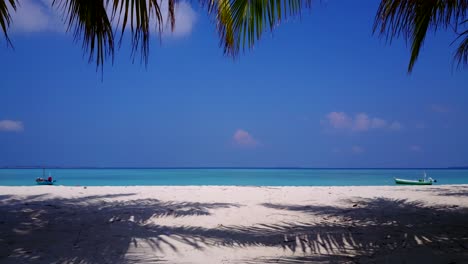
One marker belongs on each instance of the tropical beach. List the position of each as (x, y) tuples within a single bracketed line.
[(237, 131), (227, 224)]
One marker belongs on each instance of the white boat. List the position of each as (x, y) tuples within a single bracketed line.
[(45, 181), (423, 181)]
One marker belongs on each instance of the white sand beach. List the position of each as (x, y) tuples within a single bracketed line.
[(220, 224)]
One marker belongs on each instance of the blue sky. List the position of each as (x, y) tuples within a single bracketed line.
[(320, 91)]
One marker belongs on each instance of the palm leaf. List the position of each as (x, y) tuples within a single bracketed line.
[(92, 21), (240, 23), (5, 17), (413, 18), (461, 55), (137, 15), (89, 21)]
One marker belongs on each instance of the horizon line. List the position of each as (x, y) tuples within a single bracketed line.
[(229, 167)]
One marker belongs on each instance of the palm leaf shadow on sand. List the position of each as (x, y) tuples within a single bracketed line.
[(461, 191), (374, 230), (386, 230), (29, 225)]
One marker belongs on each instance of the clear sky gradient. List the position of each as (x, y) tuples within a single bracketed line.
[(320, 91)]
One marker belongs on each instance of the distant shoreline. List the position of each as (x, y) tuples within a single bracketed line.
[(230, 168)]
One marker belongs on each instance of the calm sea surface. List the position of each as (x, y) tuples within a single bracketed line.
[(250, 177)]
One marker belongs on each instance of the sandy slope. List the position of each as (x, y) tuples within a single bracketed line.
[(198, 224)]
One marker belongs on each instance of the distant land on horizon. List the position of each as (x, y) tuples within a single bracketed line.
[(201, 167)]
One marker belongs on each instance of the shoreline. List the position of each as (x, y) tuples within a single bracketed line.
[(230, 168), (233, 224), (241, 186)]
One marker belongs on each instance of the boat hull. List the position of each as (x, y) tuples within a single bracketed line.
[(411, 182), (45, 182)]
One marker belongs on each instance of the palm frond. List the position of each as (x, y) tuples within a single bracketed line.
[(92, 21), (240, 23), (413, 18), (139, 13), (89, 21), (461, 54), (171, 13), (5, 17)]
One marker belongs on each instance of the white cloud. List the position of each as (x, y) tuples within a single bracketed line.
[(357, 149), (39, 16), (11, 126), (184, 22), (415, 148), (339, 120), (438, 108), (378, 123), (244, 139), (395, 126), (336, 150), (360, 123), (420, 125), (36, 16)]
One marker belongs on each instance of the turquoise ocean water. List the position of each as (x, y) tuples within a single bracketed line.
[(244, 177)]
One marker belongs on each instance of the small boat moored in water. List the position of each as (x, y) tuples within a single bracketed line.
[(423, 181), (413, 182), (45, 181), (42, 181)]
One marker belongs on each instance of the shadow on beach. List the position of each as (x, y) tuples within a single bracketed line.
[(460, 191), (100, 229)]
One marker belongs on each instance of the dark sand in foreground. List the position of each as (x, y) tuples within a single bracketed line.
[(201, 224)]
